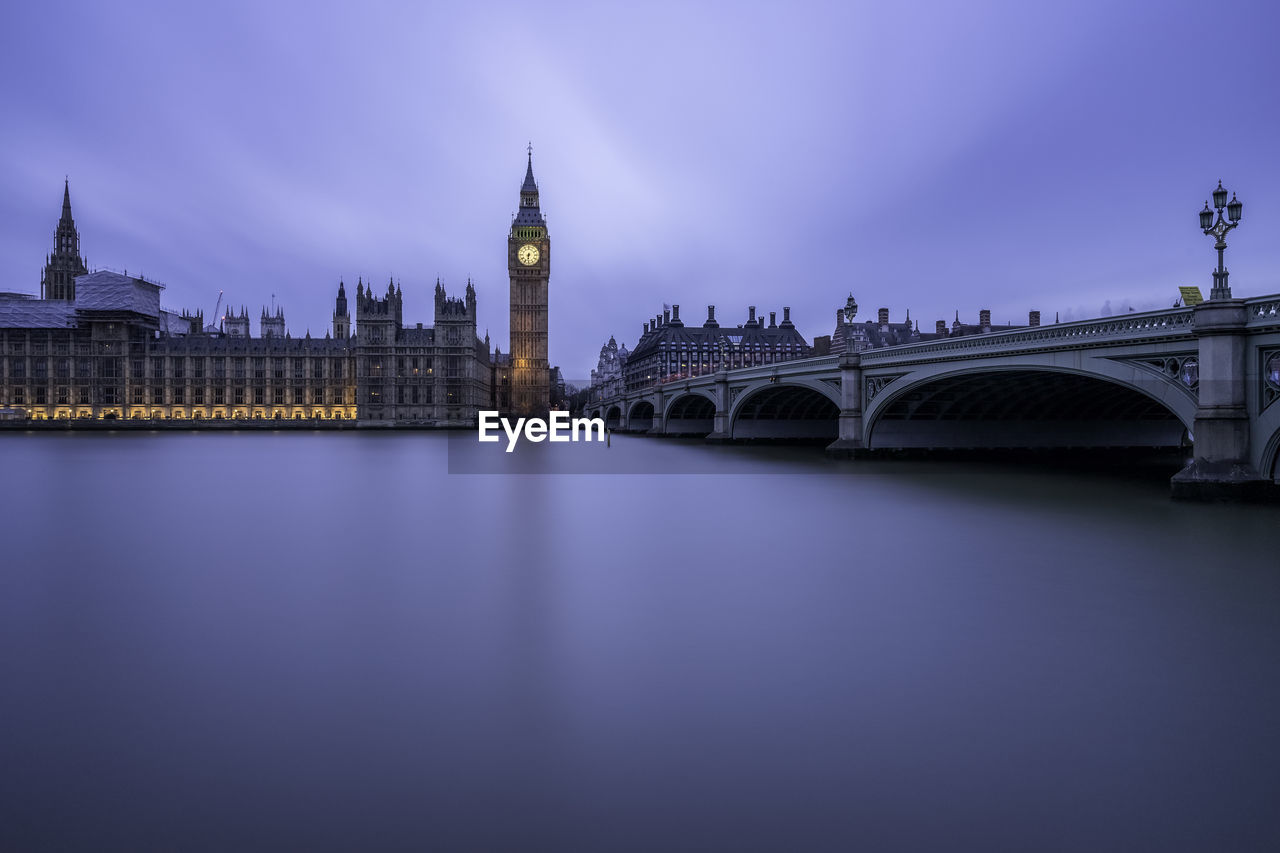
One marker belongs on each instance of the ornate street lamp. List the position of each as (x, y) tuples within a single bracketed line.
[(1219, 230), (850, 310)]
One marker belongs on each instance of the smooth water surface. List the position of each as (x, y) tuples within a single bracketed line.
[(328, 642)]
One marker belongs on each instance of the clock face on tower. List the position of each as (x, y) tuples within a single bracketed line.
[(528, 254)]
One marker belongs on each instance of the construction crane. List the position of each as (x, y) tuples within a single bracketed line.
[(215, 311)]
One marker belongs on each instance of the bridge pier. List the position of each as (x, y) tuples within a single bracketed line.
[(1221, 468), (659, 426), (849, 443), (721, 430)]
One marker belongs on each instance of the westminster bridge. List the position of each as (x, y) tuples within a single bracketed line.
[(1207, 376)]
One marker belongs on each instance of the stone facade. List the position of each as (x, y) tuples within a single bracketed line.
[(420, 376), (113, 353), (98, 346), (670, 350)]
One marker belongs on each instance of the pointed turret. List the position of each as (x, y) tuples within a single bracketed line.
[(236, 325), (66, 202), (272, 324), (529, 185), (62, 266)]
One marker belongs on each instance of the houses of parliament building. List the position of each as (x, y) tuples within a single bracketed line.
[(99, 346)]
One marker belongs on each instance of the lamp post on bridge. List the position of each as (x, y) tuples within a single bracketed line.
[(850, 310), (1223, 463), (1219, 231), (849, 437)]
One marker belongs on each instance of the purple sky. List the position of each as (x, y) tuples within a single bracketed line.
[(926, 156)]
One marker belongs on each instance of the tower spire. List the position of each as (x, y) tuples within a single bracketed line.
[(529, 185), (65, 263)]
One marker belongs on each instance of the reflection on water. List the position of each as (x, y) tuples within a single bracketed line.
[(327, 641)]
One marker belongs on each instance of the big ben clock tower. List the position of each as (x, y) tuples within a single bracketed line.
[(529, 263)]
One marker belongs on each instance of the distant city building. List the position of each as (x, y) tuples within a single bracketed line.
[(558, 400), (607, 380), (855, 337), (670, 350), (881, 332)]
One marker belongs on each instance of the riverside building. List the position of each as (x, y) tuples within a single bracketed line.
[(669, 350), (99, 346)]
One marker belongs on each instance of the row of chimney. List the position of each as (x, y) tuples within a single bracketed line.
[(671, 316), (984, 319)]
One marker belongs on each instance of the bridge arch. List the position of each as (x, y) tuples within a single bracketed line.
[(690, 413), (640, 416), (785, 410), (613, 417), (1029, 405), (1268, 461)]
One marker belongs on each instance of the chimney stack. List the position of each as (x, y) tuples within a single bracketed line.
[(711, 313), (675, 312), (751, 314), (646, 327), (666, 316), (786, 314), (884, 316), (1034, 318), (773, 321), (942, 328), (984, 319)]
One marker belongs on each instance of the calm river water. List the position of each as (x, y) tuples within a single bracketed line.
[(235, 642)]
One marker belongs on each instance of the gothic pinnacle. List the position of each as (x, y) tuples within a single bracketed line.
[(529, 185)]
